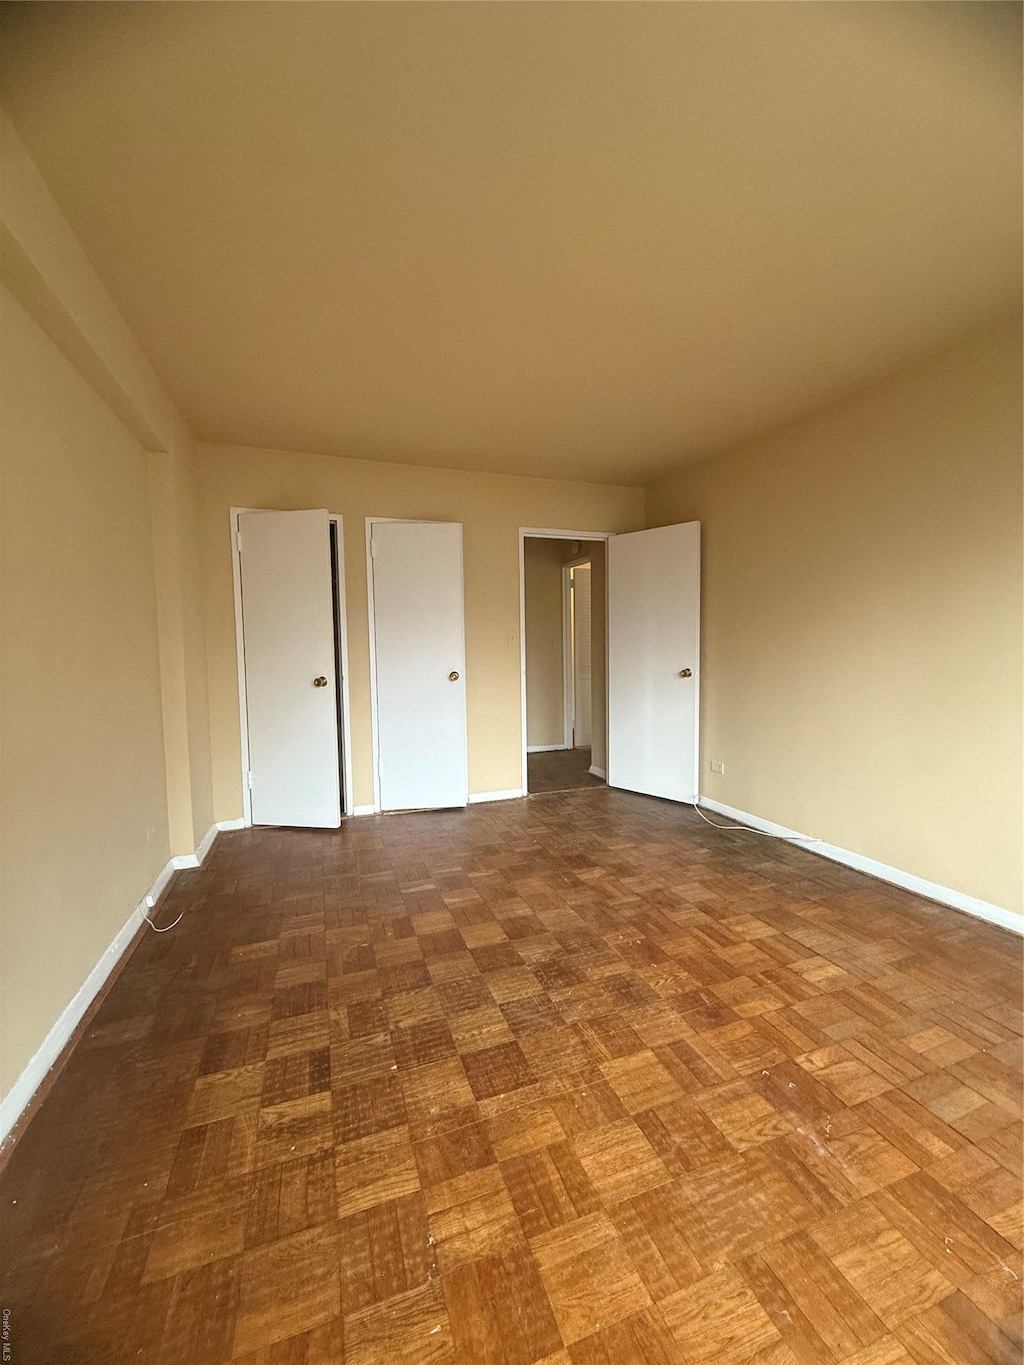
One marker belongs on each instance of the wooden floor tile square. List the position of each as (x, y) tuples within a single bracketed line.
[(719, 1321), (481, 1028), (417, 1007), (886, 1270), (653, 1229), (368, 1106), (642, 1337), (484, 1225), (421, 1043), (743, 1116), (308, 1264), (294, 1129), (588, 1277), (684, 1136), (296, 1075), (500, 1312), (223, 1094), (531, 1014), (809, 1300), (438, 1097), (849, 1079), (497, 1070), (553, 1052), (464, 994), (453, 1153), (410, 1329), (866, 1159), (385, 1251), (362, 1059), (619, 1161), (192, 1242), (955, 1330), (290, 1197), (741, 1205), (375, 1169), (641, 1081), (524, 1128), (549, 1187), (583, 1102)]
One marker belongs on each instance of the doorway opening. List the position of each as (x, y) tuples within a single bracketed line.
[(564, 607)]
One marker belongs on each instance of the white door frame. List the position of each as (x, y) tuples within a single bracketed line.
[(547, 533), (413, 521), (341, 663), (569, 653), (568, 669)]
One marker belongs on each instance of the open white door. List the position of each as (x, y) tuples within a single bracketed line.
[(290, 699), (419, 657), (653, 661)]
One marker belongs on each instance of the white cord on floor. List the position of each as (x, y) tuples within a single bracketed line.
[(155, 928), (765, 834)]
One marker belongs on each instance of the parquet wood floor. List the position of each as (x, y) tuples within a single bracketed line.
[(573, 1080), (560, 770)]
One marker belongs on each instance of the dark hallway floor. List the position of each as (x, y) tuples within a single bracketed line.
[(560, 771)]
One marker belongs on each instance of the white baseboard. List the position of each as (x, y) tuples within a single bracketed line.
[(970, 905), (162, 878), (546, 748), (363, 810), (599, 772), (510, 794), (13, 1103), (186, 860), (231, 824)]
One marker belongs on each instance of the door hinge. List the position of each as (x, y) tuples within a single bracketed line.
[(249, 779), (238, 541)]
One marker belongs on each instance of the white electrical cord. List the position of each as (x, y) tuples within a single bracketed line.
[(155, 928), (748, 829)]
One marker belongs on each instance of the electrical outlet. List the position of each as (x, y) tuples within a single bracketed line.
[(717, 767)]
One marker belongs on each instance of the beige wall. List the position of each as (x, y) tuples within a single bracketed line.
[(545, 696), (105, 731), (491, 507), (861, 629), (47, 271), (82, 792), (175, 528)]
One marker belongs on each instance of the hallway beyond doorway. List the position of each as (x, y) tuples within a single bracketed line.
[(560, 770)]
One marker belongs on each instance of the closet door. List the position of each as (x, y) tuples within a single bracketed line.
[(290, 699), (654, 661), (420, 663)]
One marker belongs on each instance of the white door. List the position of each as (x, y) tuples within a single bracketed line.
[(420, 661), (290, 696), (653, 661), (581, 672)]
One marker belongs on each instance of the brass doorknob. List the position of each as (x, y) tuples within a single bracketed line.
[(453, 677), (320, 682), (686, 672)]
